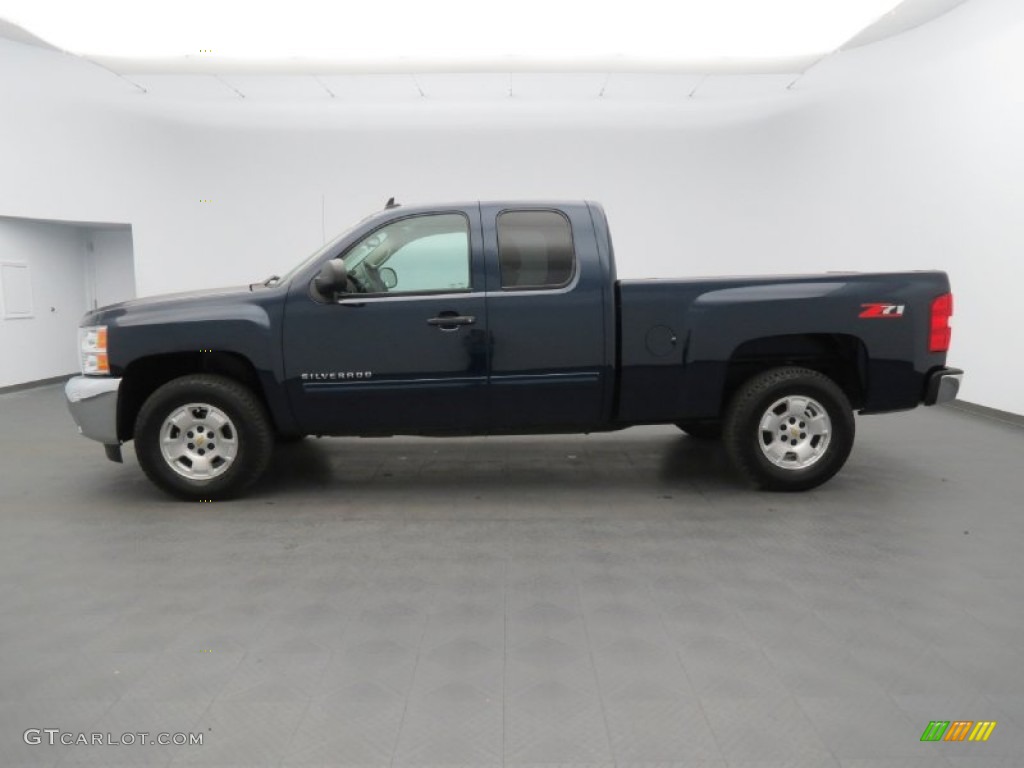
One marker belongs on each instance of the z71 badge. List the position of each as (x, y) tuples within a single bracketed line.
[(882, 310)]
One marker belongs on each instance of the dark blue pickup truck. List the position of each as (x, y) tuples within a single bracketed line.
[(499, 318)]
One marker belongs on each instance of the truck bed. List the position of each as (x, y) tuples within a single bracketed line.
[(678, 339)]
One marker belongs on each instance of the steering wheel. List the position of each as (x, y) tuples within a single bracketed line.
[(360, 288), (373, 278)]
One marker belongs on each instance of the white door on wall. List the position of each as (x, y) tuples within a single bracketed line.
[(109, 266), (41, 292), (16, 289)]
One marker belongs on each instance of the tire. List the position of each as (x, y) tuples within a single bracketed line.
[(198, 410), (789, 429), (701, 430)]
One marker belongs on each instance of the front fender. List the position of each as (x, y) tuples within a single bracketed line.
[(245, 326)]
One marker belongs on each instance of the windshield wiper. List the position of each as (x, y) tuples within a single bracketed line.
[(271, 280)]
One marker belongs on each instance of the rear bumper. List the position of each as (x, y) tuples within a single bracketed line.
[(92, 401), (942, 386)]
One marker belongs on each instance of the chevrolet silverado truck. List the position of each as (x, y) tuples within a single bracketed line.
[(502, 318)]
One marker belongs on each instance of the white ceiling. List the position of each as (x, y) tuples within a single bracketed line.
[(449, 35), (281, 84)]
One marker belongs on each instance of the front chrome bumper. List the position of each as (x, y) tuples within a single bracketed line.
[(92, 401), (943, 385)]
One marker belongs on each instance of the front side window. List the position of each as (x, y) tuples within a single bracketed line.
[(416, 255), (535, 250)]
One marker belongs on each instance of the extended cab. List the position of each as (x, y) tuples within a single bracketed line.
[(497, 318)]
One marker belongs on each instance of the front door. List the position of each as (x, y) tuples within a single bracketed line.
[(404, 349)]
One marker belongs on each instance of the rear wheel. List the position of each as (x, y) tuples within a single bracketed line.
[(701, 430), (203, 437), (789, 429)]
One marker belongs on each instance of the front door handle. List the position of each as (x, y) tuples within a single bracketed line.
[(451, 321)]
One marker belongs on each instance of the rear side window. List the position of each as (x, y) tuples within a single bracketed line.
[(535, 250)]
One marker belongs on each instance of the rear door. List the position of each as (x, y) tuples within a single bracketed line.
[(547, 319)]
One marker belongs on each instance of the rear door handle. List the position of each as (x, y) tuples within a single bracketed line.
[(451, 322)]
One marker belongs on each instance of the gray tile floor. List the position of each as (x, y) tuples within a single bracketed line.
[(605, 600)]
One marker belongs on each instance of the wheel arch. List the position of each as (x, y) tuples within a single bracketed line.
[(145, 375), (841, 357)]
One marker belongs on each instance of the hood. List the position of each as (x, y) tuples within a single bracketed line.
[(120, 312)]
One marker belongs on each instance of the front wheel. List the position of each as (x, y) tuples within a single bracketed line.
[(789, 429), (203, 437)]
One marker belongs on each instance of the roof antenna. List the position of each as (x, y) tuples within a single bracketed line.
[(390, 204)]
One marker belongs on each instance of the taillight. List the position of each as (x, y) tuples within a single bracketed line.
[(942, 310)]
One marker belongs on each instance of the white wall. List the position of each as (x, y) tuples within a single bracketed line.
[(44, 345), (925, 168), (110, 263), (903, 154), (66, 277)]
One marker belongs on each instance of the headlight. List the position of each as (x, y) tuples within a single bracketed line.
[(92, 348)]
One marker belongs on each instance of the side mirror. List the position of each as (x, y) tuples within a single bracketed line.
[(389, 277), (332, 279)]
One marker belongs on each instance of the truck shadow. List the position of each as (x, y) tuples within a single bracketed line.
[(522, 466), (575, 473)]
